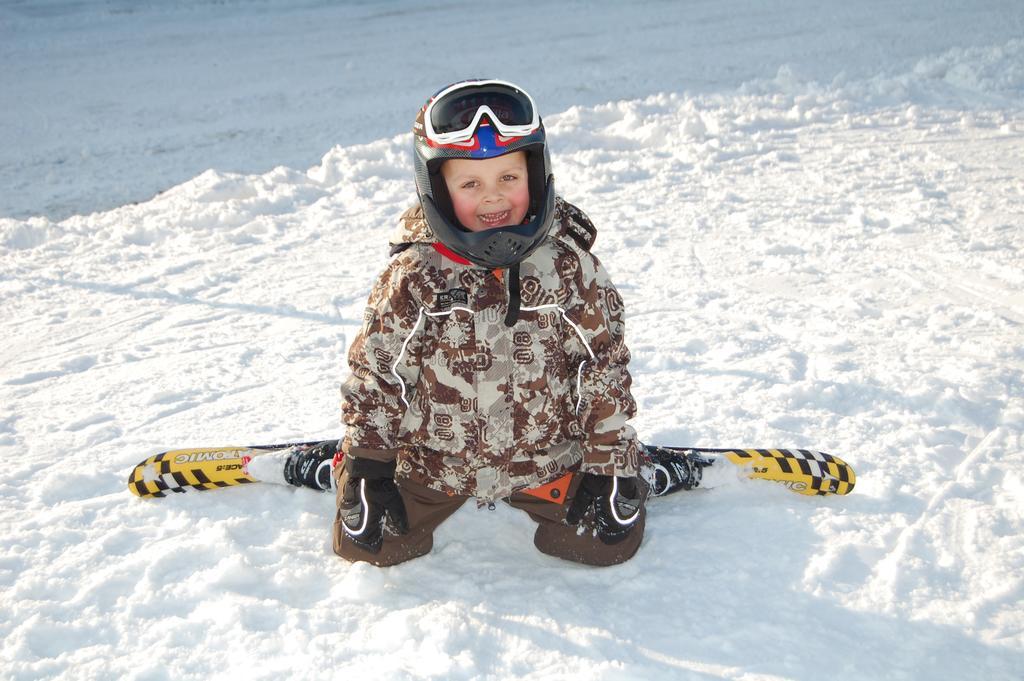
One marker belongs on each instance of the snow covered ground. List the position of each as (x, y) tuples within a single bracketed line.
[(808, 257), (106, 102)]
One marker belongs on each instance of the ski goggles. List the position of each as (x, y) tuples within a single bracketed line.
[(453, 115)]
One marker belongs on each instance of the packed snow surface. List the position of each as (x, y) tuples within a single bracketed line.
[(831, 262), (105, 102)]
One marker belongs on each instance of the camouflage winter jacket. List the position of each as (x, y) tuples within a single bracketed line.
[(473, 407)]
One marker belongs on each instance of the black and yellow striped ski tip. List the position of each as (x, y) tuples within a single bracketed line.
[(800, 470), (181, 470)]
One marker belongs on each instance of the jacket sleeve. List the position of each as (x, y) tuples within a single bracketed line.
[(383, 360), (610, 445)]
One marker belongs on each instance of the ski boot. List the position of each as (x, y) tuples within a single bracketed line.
[(310, 465), (670, 470)]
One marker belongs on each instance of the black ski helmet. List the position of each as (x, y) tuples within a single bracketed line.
[(479, 119)]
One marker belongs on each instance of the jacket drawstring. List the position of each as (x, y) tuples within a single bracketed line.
[(514, 296)]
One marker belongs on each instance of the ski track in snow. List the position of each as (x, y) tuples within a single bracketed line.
[(825, 266)]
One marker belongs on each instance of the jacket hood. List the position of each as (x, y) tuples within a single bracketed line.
[(571, 225)]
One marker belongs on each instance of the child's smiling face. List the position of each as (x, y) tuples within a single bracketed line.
[(489, 192)]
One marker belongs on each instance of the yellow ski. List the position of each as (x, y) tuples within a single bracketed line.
[(800, 470), (202, 468)]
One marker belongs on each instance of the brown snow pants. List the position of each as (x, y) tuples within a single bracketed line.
[(428, 508)]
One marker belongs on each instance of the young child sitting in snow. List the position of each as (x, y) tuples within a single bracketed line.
[(491, 363)]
